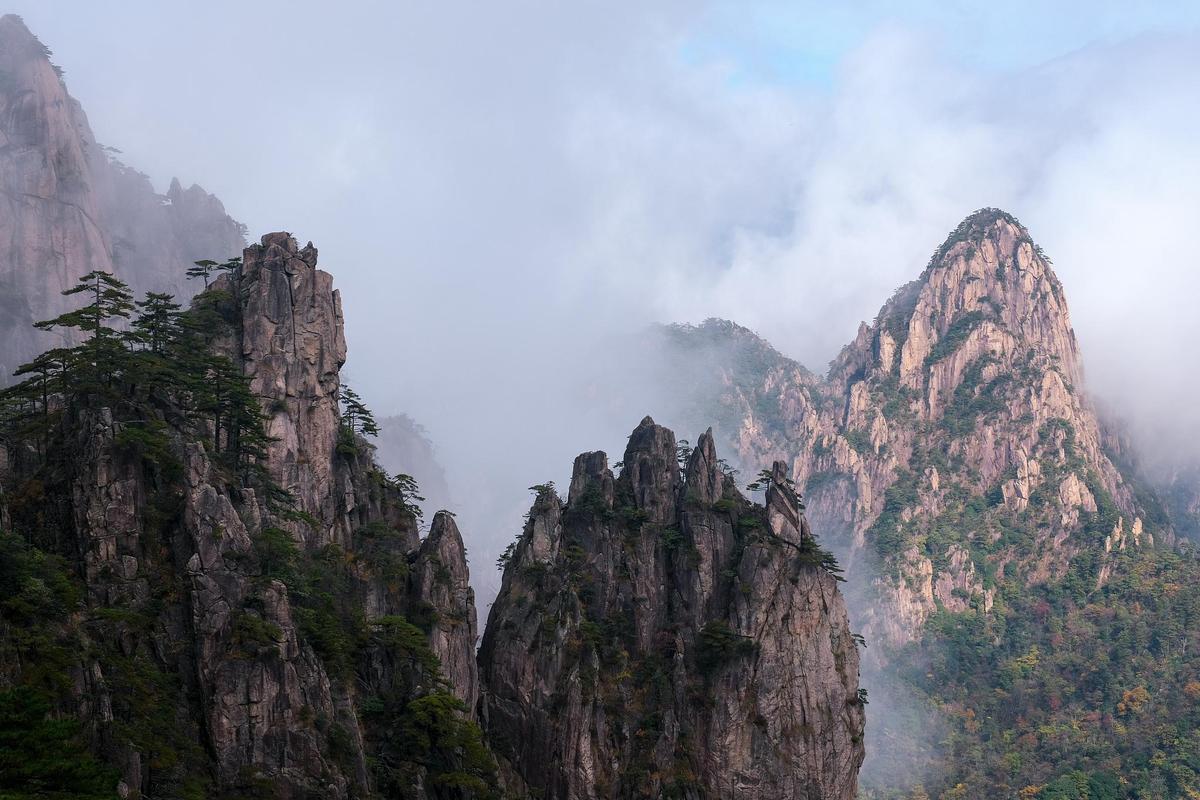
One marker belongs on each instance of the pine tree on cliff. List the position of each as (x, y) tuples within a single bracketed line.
[(163, 364), (205, 268), (246, 435), (88, 369), (157, 323), (103, 352), (355, 415), (26, 408)]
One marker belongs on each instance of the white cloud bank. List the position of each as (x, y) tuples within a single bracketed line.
[(499, 189)]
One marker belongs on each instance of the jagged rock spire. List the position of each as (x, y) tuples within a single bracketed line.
[(783, 506), (292, 346), (591, 469), (595, 602), (652, 469), (443, 580), (704, 480)]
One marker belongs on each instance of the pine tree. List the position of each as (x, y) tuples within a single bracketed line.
[(110, 299), (103, 353), (205, 268), (157, 324), (202, 269), (355, 415), (25, 407), (766, 479), (410, 494), (220, 392), (161, 369)]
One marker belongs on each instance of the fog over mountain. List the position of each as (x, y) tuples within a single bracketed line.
[(509, 196)]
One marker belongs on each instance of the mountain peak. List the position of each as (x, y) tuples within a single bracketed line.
[(968, 383), (14, 33), (988, 290), (979, 223), (1003, 230)]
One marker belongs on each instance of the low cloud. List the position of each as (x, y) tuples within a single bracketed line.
[(507, 196)]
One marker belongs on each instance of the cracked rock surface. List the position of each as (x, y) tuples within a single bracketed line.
[(659, 634)]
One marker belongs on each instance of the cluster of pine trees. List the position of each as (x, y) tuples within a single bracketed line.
[(159, 372), (146, 361)]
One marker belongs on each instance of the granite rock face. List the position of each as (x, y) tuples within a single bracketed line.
[(245, 640), (67, 206), (658, 634), (291, 346), (441, 580), (958, 414)]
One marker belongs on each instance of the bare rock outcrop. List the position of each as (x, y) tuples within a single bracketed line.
[(960, 408), (292, 346), (443, 583), (657, 635)]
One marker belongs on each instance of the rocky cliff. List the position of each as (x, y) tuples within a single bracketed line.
[(952, 443), (657, 635), (67, 206), (282, 628), (290, 343), (209, 587), (211, 583)]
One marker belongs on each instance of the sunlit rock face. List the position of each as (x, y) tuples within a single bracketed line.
[(659, 635), (67, 206), (952, 443)]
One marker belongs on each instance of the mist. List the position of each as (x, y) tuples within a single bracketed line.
[(509, 196)]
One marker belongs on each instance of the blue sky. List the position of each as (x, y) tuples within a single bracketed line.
[(803, 42)]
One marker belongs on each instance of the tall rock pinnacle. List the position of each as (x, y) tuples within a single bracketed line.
[(292, 348), (656, 637)]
